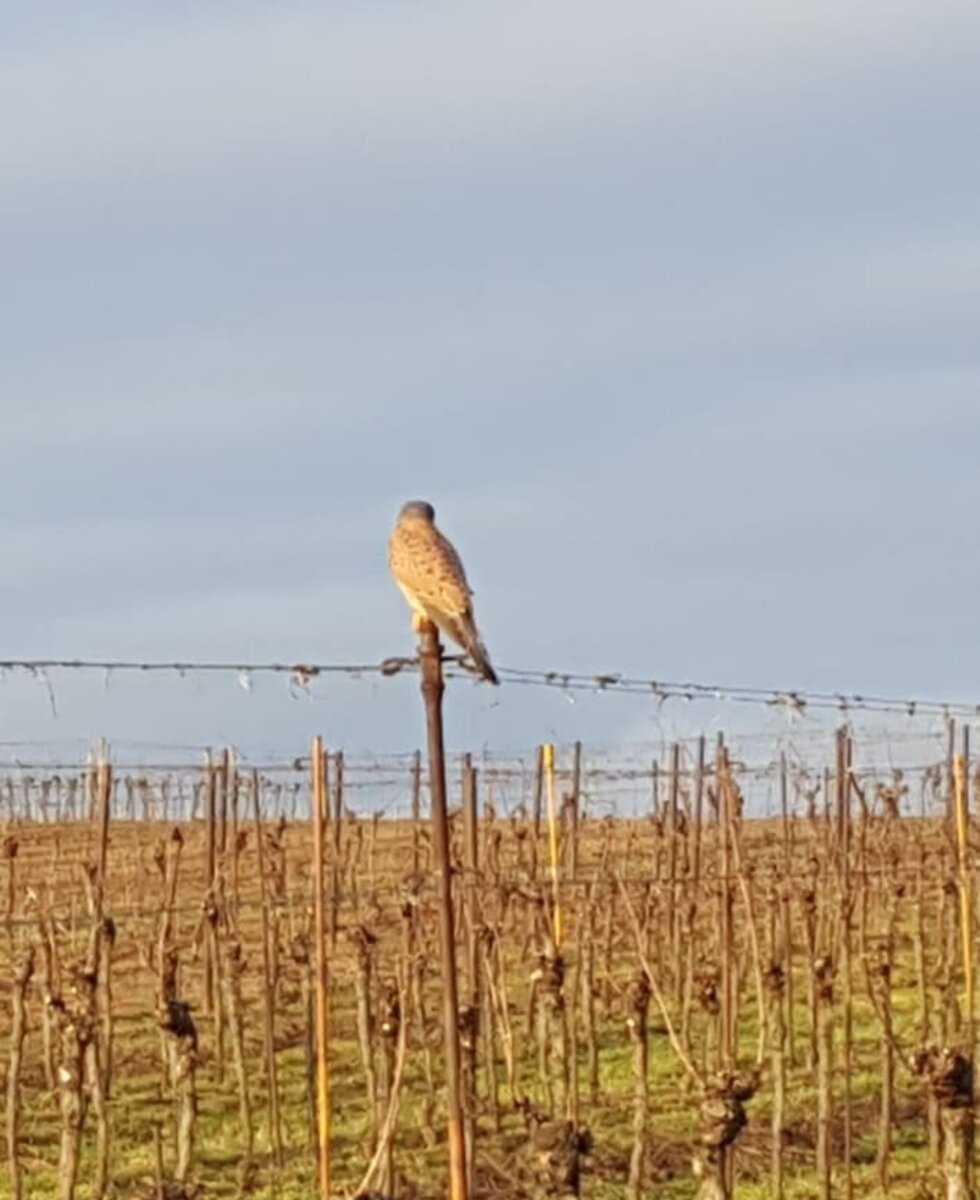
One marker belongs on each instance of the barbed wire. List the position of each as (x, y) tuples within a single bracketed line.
[(303, 674), (377, 775)]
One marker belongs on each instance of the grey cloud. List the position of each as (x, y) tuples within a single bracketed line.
[(672, 317), (428, 78)]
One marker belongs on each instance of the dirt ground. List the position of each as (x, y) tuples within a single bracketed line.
[(576, 1052)]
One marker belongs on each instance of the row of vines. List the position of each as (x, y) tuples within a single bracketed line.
[(666, 1004)]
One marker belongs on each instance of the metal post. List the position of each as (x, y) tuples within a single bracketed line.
[(430, 656)]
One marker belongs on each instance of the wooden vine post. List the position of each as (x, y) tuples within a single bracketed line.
[(319, 797), (548, 764)]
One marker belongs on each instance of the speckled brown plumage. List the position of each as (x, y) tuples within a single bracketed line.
[(429, 573)]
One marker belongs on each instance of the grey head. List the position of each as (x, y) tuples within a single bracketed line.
[(418, 510)]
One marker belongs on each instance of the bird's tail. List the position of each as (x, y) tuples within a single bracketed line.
[(475, 648), (482, 661)]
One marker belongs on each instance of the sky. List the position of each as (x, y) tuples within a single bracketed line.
[(670, 310)]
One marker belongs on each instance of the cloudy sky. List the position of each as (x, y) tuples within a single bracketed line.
[(670, 309)]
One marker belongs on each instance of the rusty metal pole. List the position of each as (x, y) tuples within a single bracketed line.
[(430, 657)]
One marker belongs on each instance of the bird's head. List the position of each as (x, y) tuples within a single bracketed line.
[(417, 510)]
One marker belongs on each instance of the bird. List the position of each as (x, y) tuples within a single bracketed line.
[(429, 572)]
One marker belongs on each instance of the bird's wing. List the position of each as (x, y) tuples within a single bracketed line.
[(466, 634), (426, 563), (427, 568)]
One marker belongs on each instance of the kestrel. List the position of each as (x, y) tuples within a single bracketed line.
[(430, 574)]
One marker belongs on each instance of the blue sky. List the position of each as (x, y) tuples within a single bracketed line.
[(670, 310)]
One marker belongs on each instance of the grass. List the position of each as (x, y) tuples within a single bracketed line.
[(50, 863)]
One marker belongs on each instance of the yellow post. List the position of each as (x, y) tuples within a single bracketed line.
[(548, 752), (966, 899)]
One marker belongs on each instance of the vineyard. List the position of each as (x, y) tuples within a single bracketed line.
[(702, 975)]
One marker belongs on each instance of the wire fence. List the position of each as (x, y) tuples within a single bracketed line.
[(902, 750), (302, 674), (909, 771)]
